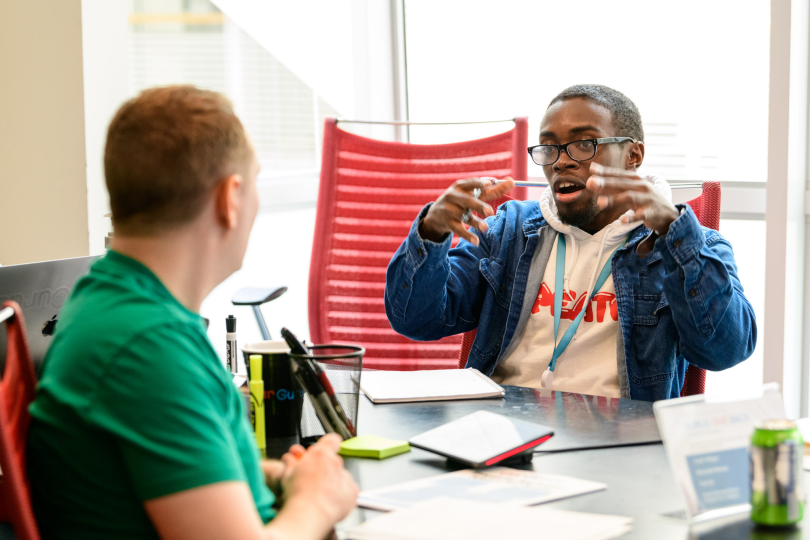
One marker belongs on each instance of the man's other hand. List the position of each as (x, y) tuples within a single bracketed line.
[(318, 491), (318, 480), (275, 471), (445, 215), (627, 190)]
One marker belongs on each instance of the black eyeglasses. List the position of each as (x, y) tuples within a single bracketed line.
[(548, 154)]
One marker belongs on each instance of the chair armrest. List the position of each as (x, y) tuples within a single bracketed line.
[(256, 296)]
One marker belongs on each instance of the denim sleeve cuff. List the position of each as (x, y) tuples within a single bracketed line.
[(426, 252), (685, 237)]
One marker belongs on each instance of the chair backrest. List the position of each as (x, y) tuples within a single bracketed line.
[(17, 389), (707, 210), (370, 193)]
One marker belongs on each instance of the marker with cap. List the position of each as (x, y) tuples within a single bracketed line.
[(231, 353), (257, 401)]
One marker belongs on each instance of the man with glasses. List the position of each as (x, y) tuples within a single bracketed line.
[(601, 287)]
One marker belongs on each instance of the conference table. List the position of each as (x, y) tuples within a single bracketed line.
[(588, 432)]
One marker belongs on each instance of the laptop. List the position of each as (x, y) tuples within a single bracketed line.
[(41, 289)]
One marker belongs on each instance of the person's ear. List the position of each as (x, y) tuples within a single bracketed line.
[(635, 156), (228, 200)]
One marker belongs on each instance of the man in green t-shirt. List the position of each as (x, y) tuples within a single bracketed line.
[(137, 430)]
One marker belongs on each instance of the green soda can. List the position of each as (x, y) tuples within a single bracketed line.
[(777, 490)]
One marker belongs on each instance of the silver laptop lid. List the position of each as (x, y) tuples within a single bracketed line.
[(41, 289)]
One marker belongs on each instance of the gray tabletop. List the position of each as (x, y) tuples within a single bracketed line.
[(639, 479)]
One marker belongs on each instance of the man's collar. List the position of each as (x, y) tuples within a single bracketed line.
[(533, 223), (637, 235), (536, 221)]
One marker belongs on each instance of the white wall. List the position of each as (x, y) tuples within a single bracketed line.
[(784, 211), (105, 50), (43, 198)]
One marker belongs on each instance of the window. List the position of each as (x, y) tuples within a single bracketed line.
[(191, 41), (700, 84)]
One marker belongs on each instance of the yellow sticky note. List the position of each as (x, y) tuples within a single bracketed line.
[(372, 446)]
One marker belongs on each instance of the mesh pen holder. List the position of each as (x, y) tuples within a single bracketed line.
[(342, 365)]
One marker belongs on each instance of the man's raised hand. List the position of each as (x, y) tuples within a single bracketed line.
[(628, 190), (445, 215)]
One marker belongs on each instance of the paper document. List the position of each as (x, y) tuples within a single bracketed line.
[(427, 385), (447, 519), (497, 485)]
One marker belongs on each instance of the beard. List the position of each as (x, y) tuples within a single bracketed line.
[(578, 217)]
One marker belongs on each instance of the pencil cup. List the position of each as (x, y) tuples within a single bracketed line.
[(342, 365), (283, 398)]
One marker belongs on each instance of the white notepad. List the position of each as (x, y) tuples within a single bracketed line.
[(449, 519), (428, 385)]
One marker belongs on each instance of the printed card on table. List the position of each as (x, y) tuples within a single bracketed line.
[(707, 446)]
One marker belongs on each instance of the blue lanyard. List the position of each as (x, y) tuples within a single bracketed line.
[(560, 347)]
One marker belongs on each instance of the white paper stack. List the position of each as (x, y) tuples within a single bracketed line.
[(428, 385), (450, 519), (494, 485)]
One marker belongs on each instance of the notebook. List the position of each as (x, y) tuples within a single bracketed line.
[(484, 438), (427, 385), (447, 519)]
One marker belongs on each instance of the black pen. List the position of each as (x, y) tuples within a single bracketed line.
[(296, 346)]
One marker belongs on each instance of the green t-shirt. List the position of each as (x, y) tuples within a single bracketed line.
[(133, 404)]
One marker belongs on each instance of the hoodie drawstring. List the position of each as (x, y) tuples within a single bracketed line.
[(570, 268)]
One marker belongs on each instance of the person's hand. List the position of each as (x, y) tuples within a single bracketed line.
[(444, 215), (627, 190), (318, 480), (275, 471), (291, 457)]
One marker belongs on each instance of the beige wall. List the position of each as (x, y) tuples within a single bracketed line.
[(43, 186)]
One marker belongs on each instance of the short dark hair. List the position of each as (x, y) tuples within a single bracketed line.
[(626, 118), (166, 151)]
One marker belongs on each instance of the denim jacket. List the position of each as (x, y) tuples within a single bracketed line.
[(682, 303)]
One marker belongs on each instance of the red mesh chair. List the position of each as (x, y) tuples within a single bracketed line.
[(16, 393), (370, 193), (707, 210)]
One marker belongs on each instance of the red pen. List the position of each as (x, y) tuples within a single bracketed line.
[(327, 386)]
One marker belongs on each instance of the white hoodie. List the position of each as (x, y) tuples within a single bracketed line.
[(588, 365)]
